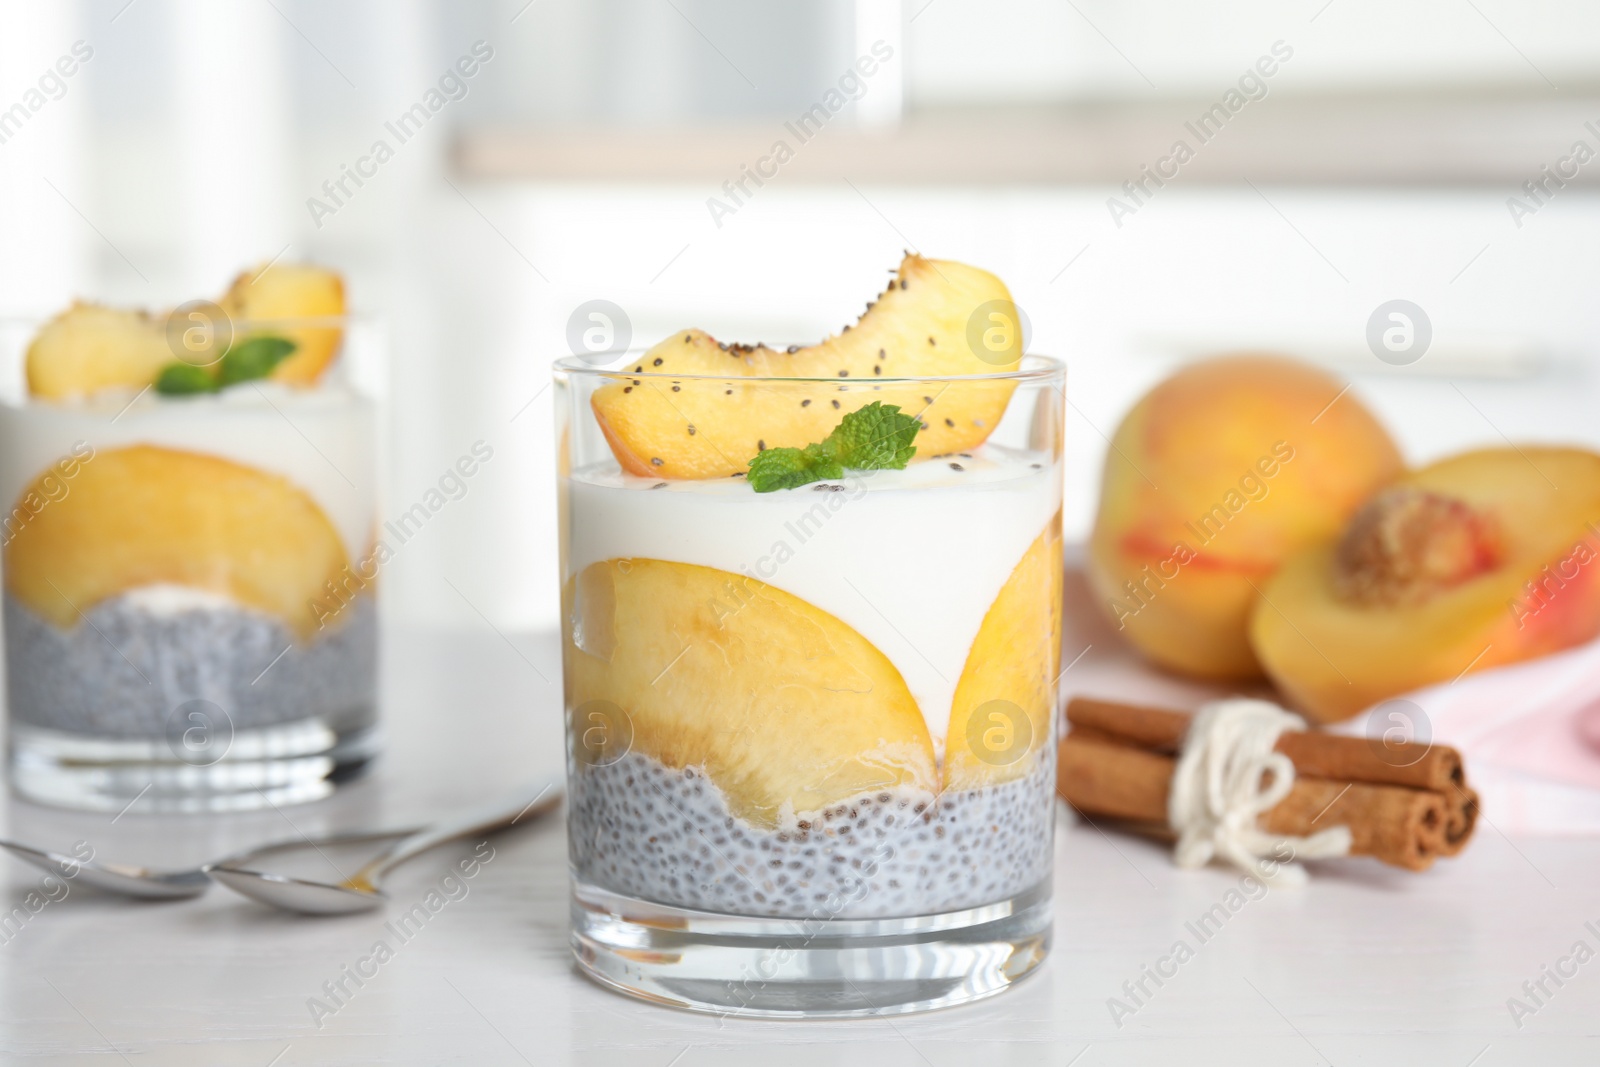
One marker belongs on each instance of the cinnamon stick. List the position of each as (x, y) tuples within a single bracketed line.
[(1321, 755), (1400, 826), (1313, 753), (1461, 811), (1395, 824)]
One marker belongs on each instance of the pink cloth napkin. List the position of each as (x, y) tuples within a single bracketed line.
[(1529, 732)]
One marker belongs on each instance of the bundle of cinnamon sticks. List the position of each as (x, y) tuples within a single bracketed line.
[(1405, 804)]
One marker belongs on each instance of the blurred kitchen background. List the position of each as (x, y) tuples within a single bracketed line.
[(1378, 160)]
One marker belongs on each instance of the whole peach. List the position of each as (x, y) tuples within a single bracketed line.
[(1214, 478)]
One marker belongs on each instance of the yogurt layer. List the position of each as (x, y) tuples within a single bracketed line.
[(322, 440), (911, 559)]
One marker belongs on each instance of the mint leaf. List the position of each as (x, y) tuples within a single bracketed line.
[(253, 358), (790, 468), (876, 437), (184, 379)]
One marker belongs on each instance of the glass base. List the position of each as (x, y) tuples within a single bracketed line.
[(289, 763), (807, 968)]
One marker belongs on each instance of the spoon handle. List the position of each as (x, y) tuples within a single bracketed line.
[(532, 799)]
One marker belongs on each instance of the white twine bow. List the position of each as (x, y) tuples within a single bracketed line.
[(1219, 790)]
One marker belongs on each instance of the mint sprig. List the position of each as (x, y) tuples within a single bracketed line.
[(876, 437), (250, 359)]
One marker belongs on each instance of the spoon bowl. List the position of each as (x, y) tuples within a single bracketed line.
[(296, 894), (361, 891), (141, 882), (242, 873)]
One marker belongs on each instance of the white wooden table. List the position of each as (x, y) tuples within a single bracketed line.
[(1366, 966)]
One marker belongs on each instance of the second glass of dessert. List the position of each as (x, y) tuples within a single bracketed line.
[(812, 606), (189, 551)]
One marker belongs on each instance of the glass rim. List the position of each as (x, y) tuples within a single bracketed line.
[(1033, 367)]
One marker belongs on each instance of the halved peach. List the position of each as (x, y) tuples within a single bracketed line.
[(144, 515), (709, 423), (1215, 477), (786, 708), (1009, 681), (269, 299), (89, 347), (1481, 559)]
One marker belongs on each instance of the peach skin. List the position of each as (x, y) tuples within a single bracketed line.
[(1214, 478)]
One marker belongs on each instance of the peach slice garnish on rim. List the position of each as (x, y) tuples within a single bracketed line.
[(89, 347), (270, 299), (709, 423)]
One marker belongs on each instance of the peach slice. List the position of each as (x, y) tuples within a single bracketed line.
[(1215, 477), (709, 424), (1475, 561), (786, 708), (88, 347), (268, 299), (1010, 675), (145, 515)]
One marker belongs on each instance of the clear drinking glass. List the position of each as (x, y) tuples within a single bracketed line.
[(190, 614), (810, 731)]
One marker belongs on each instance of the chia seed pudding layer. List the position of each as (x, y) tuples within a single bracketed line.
[(123, 670), (640, 828)]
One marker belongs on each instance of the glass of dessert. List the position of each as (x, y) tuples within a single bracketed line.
[(189, 555), (811, 609)]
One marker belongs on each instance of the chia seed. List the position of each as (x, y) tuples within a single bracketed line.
[(122, 673)]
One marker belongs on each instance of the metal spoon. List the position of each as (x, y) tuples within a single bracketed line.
[(149, 884), (361, 891), (146, 883), (139, 882)]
